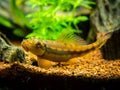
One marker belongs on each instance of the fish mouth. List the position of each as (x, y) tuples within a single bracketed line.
[(24, 45)]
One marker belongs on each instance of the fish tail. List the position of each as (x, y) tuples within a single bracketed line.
[(102, 40)]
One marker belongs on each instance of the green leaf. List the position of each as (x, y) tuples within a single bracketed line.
[(79, 19), (5, 22), (18, 32)]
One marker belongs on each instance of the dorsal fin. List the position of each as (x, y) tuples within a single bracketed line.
[(68, 36)]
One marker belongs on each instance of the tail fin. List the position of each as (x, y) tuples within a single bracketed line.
[(103, 39)]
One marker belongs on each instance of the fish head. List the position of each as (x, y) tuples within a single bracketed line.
[(34, 45)]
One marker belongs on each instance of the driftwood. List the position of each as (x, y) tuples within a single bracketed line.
[(105, 18), (10, 53)]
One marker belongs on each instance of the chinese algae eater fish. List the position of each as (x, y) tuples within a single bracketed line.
[(59, 51)]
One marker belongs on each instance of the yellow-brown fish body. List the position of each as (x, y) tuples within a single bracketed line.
[(58, 51)]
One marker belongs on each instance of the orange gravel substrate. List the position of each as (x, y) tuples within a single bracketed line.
[(91, 68)]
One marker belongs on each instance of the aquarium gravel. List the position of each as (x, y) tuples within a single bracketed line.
[(90, 66)]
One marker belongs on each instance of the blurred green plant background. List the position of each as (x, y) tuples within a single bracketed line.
[(44, 19), (13, 17)]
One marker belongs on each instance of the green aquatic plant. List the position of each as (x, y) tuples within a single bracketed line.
[(19, 18), (51, 17), (13, 17)]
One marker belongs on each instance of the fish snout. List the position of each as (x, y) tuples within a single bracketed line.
[(24, 44)]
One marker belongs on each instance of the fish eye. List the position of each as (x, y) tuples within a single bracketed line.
[(38, 45)]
